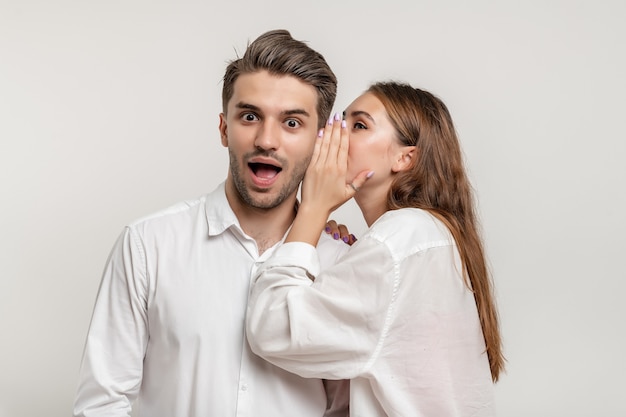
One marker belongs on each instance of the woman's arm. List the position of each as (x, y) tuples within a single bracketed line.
[(332, 328)]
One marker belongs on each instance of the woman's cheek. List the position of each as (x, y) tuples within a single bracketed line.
[(351, 168)]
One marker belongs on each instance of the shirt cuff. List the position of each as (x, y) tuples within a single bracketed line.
[(298, 254)]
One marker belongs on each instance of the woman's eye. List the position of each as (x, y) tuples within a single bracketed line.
[(292, 123), (359, 125)]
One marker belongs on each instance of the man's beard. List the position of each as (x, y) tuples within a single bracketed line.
[(289, 188)]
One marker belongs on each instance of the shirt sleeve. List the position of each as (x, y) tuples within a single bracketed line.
[(112, 363), (331, 328)]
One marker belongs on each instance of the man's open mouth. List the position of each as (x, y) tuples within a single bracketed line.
[(265, 171)]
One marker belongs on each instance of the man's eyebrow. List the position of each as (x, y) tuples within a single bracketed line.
[(248, 106), (296, 111), (357, 113)]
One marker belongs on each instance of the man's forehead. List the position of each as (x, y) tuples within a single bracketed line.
[(262, 89)]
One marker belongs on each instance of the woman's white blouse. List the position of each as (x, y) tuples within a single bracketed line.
[(394, 315)]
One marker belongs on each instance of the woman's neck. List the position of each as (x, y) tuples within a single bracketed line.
[(372, 202)]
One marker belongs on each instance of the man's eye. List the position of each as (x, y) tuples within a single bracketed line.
[(292, 123), (249, 117)]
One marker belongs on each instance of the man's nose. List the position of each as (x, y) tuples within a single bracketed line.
[(268, 136)]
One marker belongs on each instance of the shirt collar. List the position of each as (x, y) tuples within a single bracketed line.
[(219, 215)]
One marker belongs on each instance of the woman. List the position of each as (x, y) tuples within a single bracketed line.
[(408, 314)]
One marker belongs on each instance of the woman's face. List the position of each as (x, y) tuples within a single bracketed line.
[(373, 143)]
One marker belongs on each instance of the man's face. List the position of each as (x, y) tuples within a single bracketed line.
[(270, 129)]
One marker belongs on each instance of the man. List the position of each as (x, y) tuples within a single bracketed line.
[(168, 324)]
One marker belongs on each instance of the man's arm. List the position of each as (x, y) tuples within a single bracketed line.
[(112, 364)]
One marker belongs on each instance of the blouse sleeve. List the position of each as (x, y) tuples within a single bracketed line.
[(331, 328)]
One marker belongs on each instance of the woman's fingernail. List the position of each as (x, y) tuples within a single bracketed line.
[(353, 237), (337, 117), (330, 121), (320, 133), (345, 239), (327, 229), (343, 123), (369, 174), (335, 236)]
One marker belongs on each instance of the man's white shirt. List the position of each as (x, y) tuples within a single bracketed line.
[(168, 324)]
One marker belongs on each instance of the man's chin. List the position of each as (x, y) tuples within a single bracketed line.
[(267, 203), (266, 198)]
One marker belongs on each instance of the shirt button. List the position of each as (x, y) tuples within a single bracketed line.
[(244, 387)]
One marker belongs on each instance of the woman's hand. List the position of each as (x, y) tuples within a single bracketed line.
[(339, 231), (324, 187)]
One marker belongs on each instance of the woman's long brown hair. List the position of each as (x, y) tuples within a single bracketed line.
[(437, 182)]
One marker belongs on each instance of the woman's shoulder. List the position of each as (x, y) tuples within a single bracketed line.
[(407, 220), (409, 230)]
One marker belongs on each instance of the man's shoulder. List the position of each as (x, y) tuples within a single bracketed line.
[(173, 215), (183, 210)]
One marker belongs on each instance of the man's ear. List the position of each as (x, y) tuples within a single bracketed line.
[(223, 130), (405, 158)]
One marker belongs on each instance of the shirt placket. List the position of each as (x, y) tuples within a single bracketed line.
[(244, 390)]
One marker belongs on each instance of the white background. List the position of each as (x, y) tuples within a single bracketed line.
[(109, 111)]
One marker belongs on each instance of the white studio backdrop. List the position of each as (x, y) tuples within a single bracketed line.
[(109, 111)]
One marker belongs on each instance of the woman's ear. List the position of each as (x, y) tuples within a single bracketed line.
[(223, 130), (405, 158)]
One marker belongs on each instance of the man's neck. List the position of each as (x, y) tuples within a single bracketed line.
[(265, 226)]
